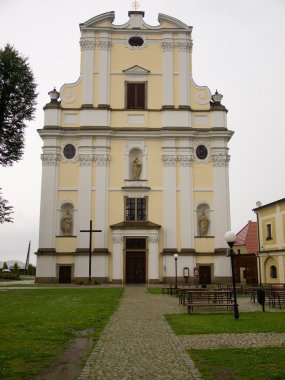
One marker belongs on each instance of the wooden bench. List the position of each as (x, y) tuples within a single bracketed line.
[(276, 297), (191, 306), (206, 296)]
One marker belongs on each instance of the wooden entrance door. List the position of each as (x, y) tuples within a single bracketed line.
[(135, 267), (205, 274), (135, 260), (64, 275)]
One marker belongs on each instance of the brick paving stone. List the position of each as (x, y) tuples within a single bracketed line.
[(138, 344)]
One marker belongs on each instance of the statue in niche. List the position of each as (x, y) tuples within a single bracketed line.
[(66, 223), (137, 168), (203, 224)]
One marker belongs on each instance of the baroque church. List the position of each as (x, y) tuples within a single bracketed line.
[(138, 152)]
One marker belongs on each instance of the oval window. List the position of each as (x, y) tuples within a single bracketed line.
[(136, 41), (69, 151), (201, 152)]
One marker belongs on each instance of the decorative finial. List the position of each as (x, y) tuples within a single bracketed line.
[(135, 5)]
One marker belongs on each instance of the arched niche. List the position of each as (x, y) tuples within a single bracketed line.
[(204, 220), (135, 164), (66, 219)]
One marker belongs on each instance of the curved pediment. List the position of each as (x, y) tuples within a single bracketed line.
[(162, 18), (103, 18), (136, 21)]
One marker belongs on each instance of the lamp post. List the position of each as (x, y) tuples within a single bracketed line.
[(175, 256), (230, 239), (259, 268)]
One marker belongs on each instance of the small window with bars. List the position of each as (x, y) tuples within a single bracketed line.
[(135, 209), (136, 95)]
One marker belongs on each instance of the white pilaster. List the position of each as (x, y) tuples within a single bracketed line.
[(84, 192), (153, 257), (281, 269), (117, 257), (104, 69), (167, 63), (87, 45), (186, 197), (50, 161), (185, 48), (222, 224), (169, 194), (102, 159)]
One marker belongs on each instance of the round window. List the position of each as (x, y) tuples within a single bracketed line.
[(201, 152), (136, 41), (69, 151)]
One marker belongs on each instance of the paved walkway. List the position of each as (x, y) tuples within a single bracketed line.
[(138, 344)]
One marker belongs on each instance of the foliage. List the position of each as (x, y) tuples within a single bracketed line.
[(9, 276), (39, 323), (31, 270), (17, 103), (5, 266), (16, 268), (240, 364), (253, 322), (5, 210)]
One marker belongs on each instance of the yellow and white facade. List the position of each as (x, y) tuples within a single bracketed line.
[(135, 98), (271, 229)]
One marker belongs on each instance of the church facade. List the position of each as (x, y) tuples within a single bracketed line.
[(137, 150)]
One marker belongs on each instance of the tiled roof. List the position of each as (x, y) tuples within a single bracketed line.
[(248, 236)]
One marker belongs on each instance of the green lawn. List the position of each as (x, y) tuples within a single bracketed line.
[(36, 324), (232, 363), (240, 364), (183, 324)]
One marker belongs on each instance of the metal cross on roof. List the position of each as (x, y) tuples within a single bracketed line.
[(135, 5)]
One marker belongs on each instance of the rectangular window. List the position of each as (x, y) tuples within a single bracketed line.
[(135, 97), (135, 209), (268, 232)]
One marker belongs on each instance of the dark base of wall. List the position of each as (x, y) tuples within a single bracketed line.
[(153, 281), (46, 280), (195, 280), (114, 281), (85, 280)]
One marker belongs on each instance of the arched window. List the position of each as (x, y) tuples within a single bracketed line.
[(273, 271)]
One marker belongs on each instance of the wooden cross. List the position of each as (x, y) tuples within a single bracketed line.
[(90, 245), (135, 5)]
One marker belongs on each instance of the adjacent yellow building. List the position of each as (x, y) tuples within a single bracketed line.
[(138, 148), (271, 229)]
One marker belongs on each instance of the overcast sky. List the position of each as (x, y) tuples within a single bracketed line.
[(238, 49)]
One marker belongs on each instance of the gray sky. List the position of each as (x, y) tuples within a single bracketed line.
[(238, 49)]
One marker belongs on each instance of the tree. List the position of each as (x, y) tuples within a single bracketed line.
[(5, 266), (5, 210), (16, 268), (17, 105), (31, 270)]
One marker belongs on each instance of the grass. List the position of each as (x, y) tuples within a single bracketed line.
[(232, 363), (36, 324), (240, 364), (254, 322), (154, 290)]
